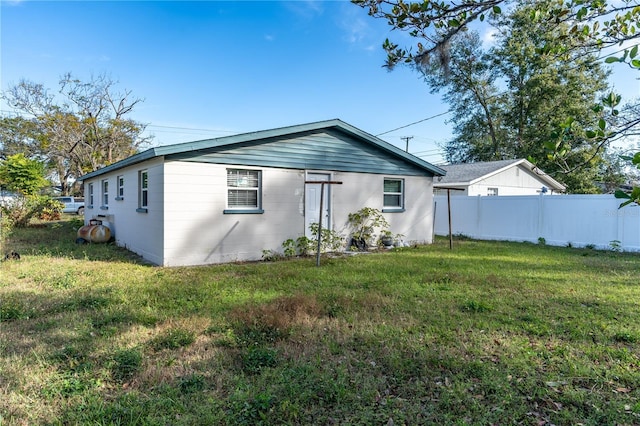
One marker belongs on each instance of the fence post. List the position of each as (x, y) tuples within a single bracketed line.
[(540, 218), (478, 227), (620, 222)]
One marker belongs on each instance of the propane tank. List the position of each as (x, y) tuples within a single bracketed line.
[(94, 232)]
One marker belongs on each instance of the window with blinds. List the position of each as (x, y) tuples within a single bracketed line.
[(91, 195), (243, 189), (393, 193), (120, 181), (143, 189), (105, 193)]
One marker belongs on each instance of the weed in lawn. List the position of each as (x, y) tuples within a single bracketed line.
[(476, 306), (72, 359), (68, 384), (245, 408), (534, 325), (615, 246), (257, 358), (12, 308), (107, 321), (625, 337), (173, 338), (444, 279), (126, 363), (89, 301), (57, 279), (192, 383), (125, 409)]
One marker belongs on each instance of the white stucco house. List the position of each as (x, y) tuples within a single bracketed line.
[(505, 177), (230, 198)]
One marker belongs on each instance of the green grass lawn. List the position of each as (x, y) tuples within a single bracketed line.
[(486, 333)]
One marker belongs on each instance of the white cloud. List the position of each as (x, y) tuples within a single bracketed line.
[(269, 37), (306, 9), (489, 37), (355, 27), (356, 30)]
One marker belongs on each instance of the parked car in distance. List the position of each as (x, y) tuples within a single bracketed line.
[(72, 204)]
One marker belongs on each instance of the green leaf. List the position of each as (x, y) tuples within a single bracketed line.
[(635, 63), (633, 52), (611, 59), (625, 203), (621, 194), (590, 134), (497, 10), (581, 13), (602, 124), (454, 23)]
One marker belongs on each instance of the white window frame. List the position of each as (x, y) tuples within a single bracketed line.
[(143, 190), (104, 185), (393, 208), (90, 191), (120, 189), (238, 183), (492, 192)]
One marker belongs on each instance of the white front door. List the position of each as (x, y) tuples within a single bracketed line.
[(312, 202)]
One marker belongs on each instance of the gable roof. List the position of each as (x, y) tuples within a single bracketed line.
[(469, 173), (184, 150)]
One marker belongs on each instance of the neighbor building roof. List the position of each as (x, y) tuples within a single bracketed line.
[(469, 173)]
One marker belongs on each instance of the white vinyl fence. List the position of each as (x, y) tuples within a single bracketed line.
[(579, 220)]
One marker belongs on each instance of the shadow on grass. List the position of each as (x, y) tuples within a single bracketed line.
[(58, 239)]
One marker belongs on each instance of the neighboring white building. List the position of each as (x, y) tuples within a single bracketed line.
[(228, 199), (506, 177)]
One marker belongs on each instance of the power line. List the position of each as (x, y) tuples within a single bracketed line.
[(191, 128), (415, 122), (598, 59)]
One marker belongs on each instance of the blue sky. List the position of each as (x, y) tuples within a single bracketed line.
[(231, 67)]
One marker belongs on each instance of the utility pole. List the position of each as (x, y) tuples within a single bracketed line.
[(406, 139)]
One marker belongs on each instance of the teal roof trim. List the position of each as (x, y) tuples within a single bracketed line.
[(200, 149)]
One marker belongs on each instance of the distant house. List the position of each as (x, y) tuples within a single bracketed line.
[(228, 199), (506, 177)]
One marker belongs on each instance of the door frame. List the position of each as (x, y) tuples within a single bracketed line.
[(326, 221)]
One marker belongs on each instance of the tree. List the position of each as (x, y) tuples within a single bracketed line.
[(433, 24), (507, 102), (26, 178), (468, 81), (632, 196), (16, 137), (22, 175), (83, 128), (545, 65)]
